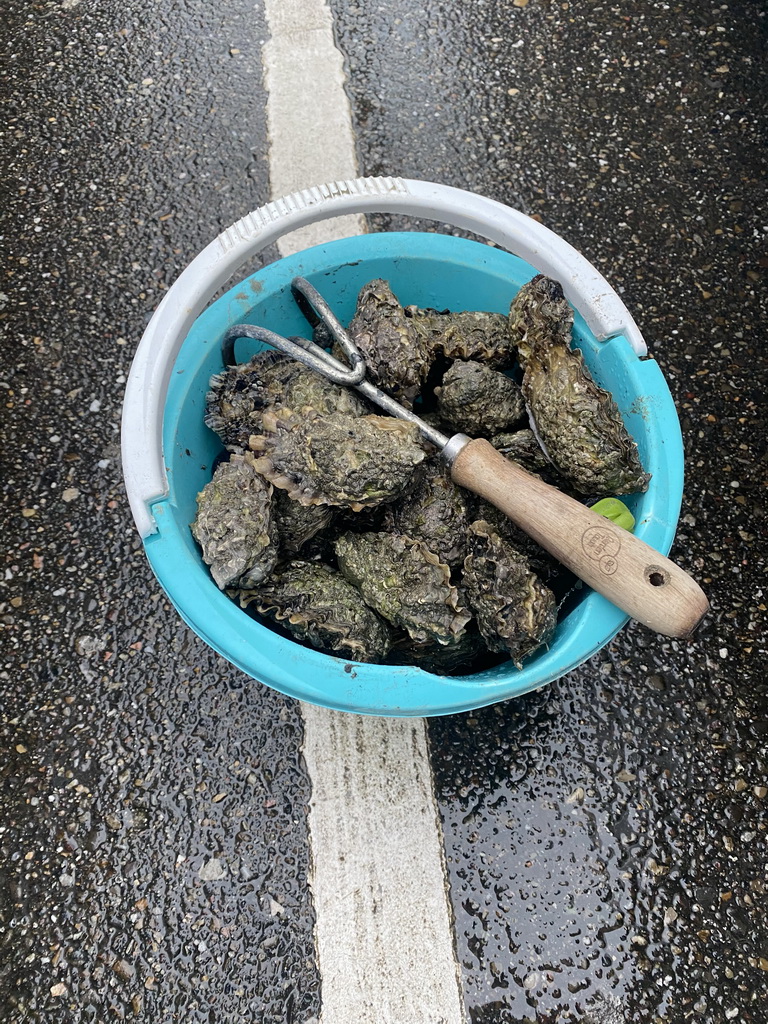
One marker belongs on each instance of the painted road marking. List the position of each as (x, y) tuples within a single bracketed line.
[(383, 934), (383, 930), (309, 123)]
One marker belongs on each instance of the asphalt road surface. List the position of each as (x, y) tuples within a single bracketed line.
[(604, 837)]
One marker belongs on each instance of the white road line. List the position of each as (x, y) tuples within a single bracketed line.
[(308, 118), (383, 932), (384, 936)]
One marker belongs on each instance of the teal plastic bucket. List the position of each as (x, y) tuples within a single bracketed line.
[(429, 270), (439, 271)]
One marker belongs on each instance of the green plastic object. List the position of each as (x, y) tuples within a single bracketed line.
[(616, 511)]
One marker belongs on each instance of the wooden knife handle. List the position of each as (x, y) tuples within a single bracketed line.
[(615, 563)]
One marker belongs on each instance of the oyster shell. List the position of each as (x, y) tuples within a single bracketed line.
[(515, 612), (345, 460), (394, 349), (319, 606), (521, 446), (234, 524), (309, 389), (297, 523), (239, 395), (540, 316), (546, 567), (436, 511), (405, 582), (578, 423), (465, 335), (479, 400)]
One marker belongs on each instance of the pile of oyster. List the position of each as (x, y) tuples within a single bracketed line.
[(343, 527)]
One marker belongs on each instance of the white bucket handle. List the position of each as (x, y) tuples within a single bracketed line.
[(145, 393)]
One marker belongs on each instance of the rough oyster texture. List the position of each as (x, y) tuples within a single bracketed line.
[(405, 582), (234, 524), (344, 460), (521, 447), (515, 612), (478, 400), (309, 389), (317, 605), (239, 395), (395, 352), (547, 568), (539, 316), (465, 335), (436, 511), (577, 422), (297, 523)]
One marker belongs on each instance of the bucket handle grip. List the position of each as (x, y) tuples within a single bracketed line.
[(142, 421)]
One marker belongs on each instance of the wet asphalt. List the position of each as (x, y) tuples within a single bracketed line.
[(605, 836)]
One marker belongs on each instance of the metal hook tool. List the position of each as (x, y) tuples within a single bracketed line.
[(323, 362)]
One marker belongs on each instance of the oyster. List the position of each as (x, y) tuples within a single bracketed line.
[(234, 524), (395, 352), (297, 523), (521, 447), (546, 566), (344, 460), (309, 389), (465, 335), (436, 511), (479, 400), (405, 582), (317, 605), (540, 316), (577, 422), (515, 612), (238, 397)]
